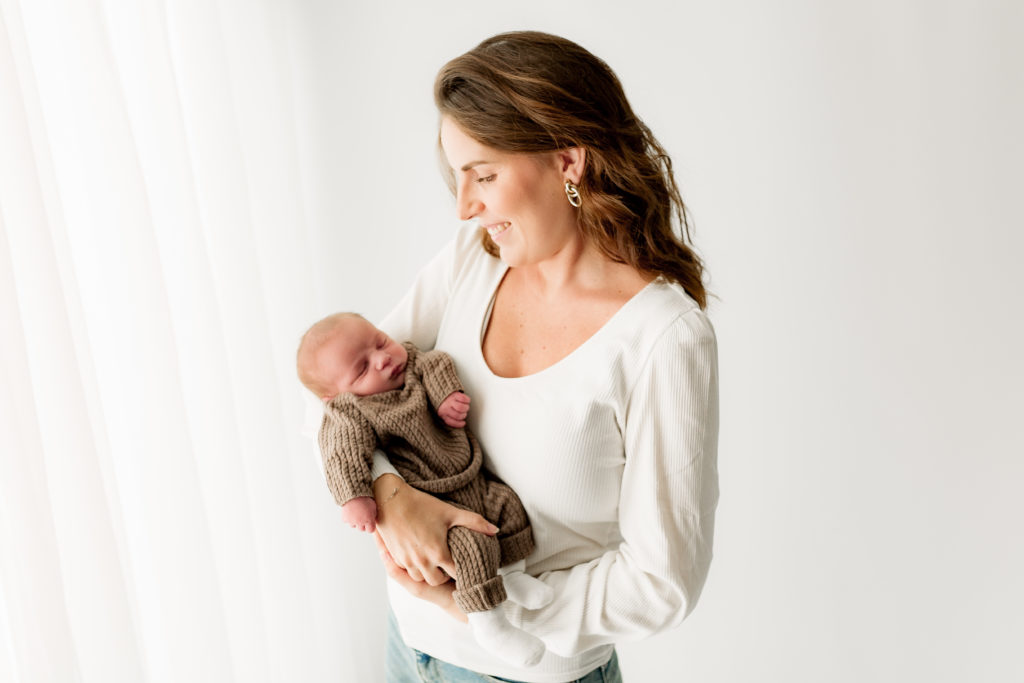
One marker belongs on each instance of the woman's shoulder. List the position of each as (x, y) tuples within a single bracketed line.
[(466, 246), (474, 271), (673, 341), (658, 328), (462, 258), (667, 313), (461, 252)]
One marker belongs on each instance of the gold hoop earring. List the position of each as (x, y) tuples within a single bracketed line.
[(573, 193)]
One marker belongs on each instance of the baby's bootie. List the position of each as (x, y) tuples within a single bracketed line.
[(523, 589), (493, 631)]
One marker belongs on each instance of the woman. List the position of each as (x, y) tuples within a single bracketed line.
[(575, 317)]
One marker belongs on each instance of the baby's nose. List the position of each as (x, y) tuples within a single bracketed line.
[(383, 360)]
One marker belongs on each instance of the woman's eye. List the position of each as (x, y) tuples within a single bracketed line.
[(486, 179)]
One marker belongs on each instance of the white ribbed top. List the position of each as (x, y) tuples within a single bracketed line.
[(612, 451)]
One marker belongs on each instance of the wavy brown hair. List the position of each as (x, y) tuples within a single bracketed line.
[(530, 92)]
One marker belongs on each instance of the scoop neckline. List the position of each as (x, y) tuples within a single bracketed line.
[(601, 331)]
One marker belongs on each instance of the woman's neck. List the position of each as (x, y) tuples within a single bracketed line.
[(578, 267)]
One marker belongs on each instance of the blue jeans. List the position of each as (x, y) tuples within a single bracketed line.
[(406, 665)]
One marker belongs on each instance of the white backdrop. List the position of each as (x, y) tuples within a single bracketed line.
[(185, 185), (850, 168)]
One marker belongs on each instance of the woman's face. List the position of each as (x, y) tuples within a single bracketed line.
[(518, 198)]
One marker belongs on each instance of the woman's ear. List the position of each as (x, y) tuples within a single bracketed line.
[(571, 162)]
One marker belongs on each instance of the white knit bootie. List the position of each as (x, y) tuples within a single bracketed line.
[(494, 632), (527, 591)]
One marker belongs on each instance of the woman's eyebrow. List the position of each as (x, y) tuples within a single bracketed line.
[(471, 164)]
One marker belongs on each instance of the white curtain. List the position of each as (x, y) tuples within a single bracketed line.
[(161, 516)]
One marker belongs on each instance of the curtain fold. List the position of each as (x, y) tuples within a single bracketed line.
[(162, 518)]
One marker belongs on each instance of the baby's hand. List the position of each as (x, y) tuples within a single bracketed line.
[(360, 513), (454, 409)]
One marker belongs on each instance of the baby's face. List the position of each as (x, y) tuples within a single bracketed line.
[(362, 360)]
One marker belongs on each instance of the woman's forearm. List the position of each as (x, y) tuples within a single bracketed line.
[(386, 487)]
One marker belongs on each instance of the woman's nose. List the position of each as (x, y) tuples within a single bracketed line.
[(467, 205)]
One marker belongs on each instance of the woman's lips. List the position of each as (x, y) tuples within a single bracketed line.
[(497, 229)]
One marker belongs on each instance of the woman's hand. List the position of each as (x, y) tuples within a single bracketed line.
[(439, 595), (414, 528)]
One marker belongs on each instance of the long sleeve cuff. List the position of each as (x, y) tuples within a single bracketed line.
[(381, 465)]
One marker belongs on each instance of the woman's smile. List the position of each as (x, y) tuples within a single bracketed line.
[(504, 190), (497, 229)]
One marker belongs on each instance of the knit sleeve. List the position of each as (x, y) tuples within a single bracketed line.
[(667, 502), (417, 317), (439, 378), (347, 444)]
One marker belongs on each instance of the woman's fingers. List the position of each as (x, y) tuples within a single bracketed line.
[(446, 566), (435, 576), (473, 522), (414, 526), (389, 562), (434, 571), (413, 560), (392, 569), (439, 595), (414, 574)]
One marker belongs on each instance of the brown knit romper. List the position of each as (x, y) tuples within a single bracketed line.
[(434, 458)]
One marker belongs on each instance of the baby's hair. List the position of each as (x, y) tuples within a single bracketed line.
[(312, 340)]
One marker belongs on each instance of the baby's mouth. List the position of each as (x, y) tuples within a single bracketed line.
[(399, 369)]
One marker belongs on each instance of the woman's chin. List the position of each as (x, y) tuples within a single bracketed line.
[(510, 258)]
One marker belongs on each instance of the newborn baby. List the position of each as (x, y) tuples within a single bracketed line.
[(381, 394)]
